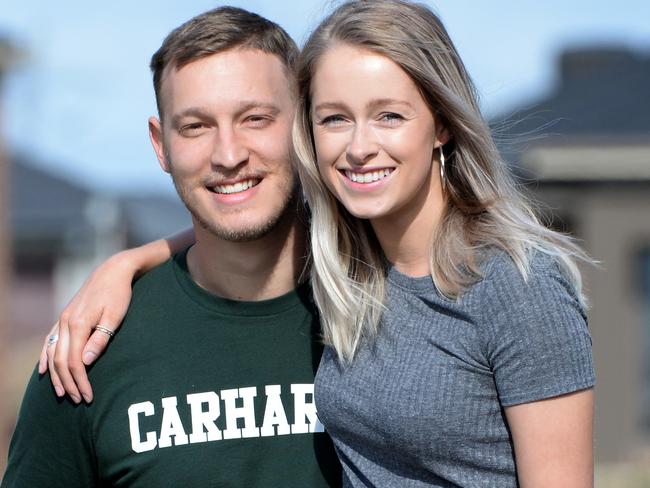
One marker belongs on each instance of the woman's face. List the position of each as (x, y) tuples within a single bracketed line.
[(374, 135)]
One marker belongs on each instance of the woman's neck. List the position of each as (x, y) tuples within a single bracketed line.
[(406, 236)]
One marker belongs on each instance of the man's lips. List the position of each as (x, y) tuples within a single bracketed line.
[(232, 186)]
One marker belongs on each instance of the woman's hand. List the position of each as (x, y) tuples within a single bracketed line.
[(102, 300), (82, 332)]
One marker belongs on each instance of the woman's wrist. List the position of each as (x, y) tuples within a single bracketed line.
[(141, 259), (135, 261)]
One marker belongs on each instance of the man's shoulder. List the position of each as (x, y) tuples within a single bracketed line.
[(155, 303), (164, 271), (160, 279), (52, 429)]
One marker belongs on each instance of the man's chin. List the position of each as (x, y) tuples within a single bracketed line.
[(243, 224), (239, 231), (240, 234)]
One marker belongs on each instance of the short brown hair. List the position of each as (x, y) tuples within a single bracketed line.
[(218, 30)]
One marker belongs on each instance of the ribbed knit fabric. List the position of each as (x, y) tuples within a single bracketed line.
[(423, 404)]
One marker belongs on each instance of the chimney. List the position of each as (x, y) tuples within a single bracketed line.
[(582, 66)]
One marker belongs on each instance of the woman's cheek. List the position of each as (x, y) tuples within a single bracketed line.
[(326, 152)]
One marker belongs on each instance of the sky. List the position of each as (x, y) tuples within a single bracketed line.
[(78, 102)]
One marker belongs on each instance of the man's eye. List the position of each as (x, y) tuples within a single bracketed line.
[(258, 120), (190, 130)]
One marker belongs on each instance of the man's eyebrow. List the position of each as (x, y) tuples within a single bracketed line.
[(197, 112), (247, 105), (242, 107)]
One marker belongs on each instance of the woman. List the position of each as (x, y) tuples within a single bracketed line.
[(458, 353)]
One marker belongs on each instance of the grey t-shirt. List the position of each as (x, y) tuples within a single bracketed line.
[(422, 405)]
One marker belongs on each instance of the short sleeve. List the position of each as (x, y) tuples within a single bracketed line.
[(539, 344), (51, 445)]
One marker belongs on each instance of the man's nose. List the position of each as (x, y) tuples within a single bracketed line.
[(229, 150)]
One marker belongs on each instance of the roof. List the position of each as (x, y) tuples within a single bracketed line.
[(602, 97), (150, 217), (589, 162), (50, 213), (43, 206)]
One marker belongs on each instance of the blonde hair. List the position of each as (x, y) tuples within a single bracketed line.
[(483, 211)]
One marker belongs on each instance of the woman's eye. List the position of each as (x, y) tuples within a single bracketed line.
[(390, 117), (332, 120)]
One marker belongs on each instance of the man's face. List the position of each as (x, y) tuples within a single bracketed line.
[(225, 138)]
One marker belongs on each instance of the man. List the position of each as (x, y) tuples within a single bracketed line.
[(210, 380)]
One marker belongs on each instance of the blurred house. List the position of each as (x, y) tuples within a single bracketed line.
[(62, 229), (8, 56), (584, 151)]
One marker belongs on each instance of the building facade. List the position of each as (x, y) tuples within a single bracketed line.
[(584, 152), (7, 55)]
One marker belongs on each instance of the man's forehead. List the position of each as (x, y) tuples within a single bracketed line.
[(246, 57), (237, 76)]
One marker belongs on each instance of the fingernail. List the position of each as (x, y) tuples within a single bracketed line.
[(89, 357), (59, 391), (87, 397), (75, 398)]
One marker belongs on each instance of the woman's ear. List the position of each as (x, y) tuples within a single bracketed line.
[(443, 136)]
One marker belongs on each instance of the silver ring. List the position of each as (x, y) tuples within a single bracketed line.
[(52, 339), (105, 330)]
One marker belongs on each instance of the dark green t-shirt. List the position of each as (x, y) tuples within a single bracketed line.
[(194, 390)]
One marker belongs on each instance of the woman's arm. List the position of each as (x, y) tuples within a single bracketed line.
[(102, 300), (553, 440)]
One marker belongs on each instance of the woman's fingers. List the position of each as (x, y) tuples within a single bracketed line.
[(86, 325), (87, 343), (50, 340), (97, 343), (54, 377), (80, 332), (60, 365)]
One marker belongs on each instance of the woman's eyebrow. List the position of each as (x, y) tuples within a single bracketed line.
[(377, 102)]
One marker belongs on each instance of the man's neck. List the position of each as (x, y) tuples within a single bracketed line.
[(256, 270)]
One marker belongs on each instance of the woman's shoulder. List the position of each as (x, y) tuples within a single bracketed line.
[(499, 267), (533, 323), (538, 282)]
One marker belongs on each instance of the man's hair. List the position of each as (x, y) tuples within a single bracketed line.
[(219, 30)]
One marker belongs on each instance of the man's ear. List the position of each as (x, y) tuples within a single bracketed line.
[(156, 137)]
